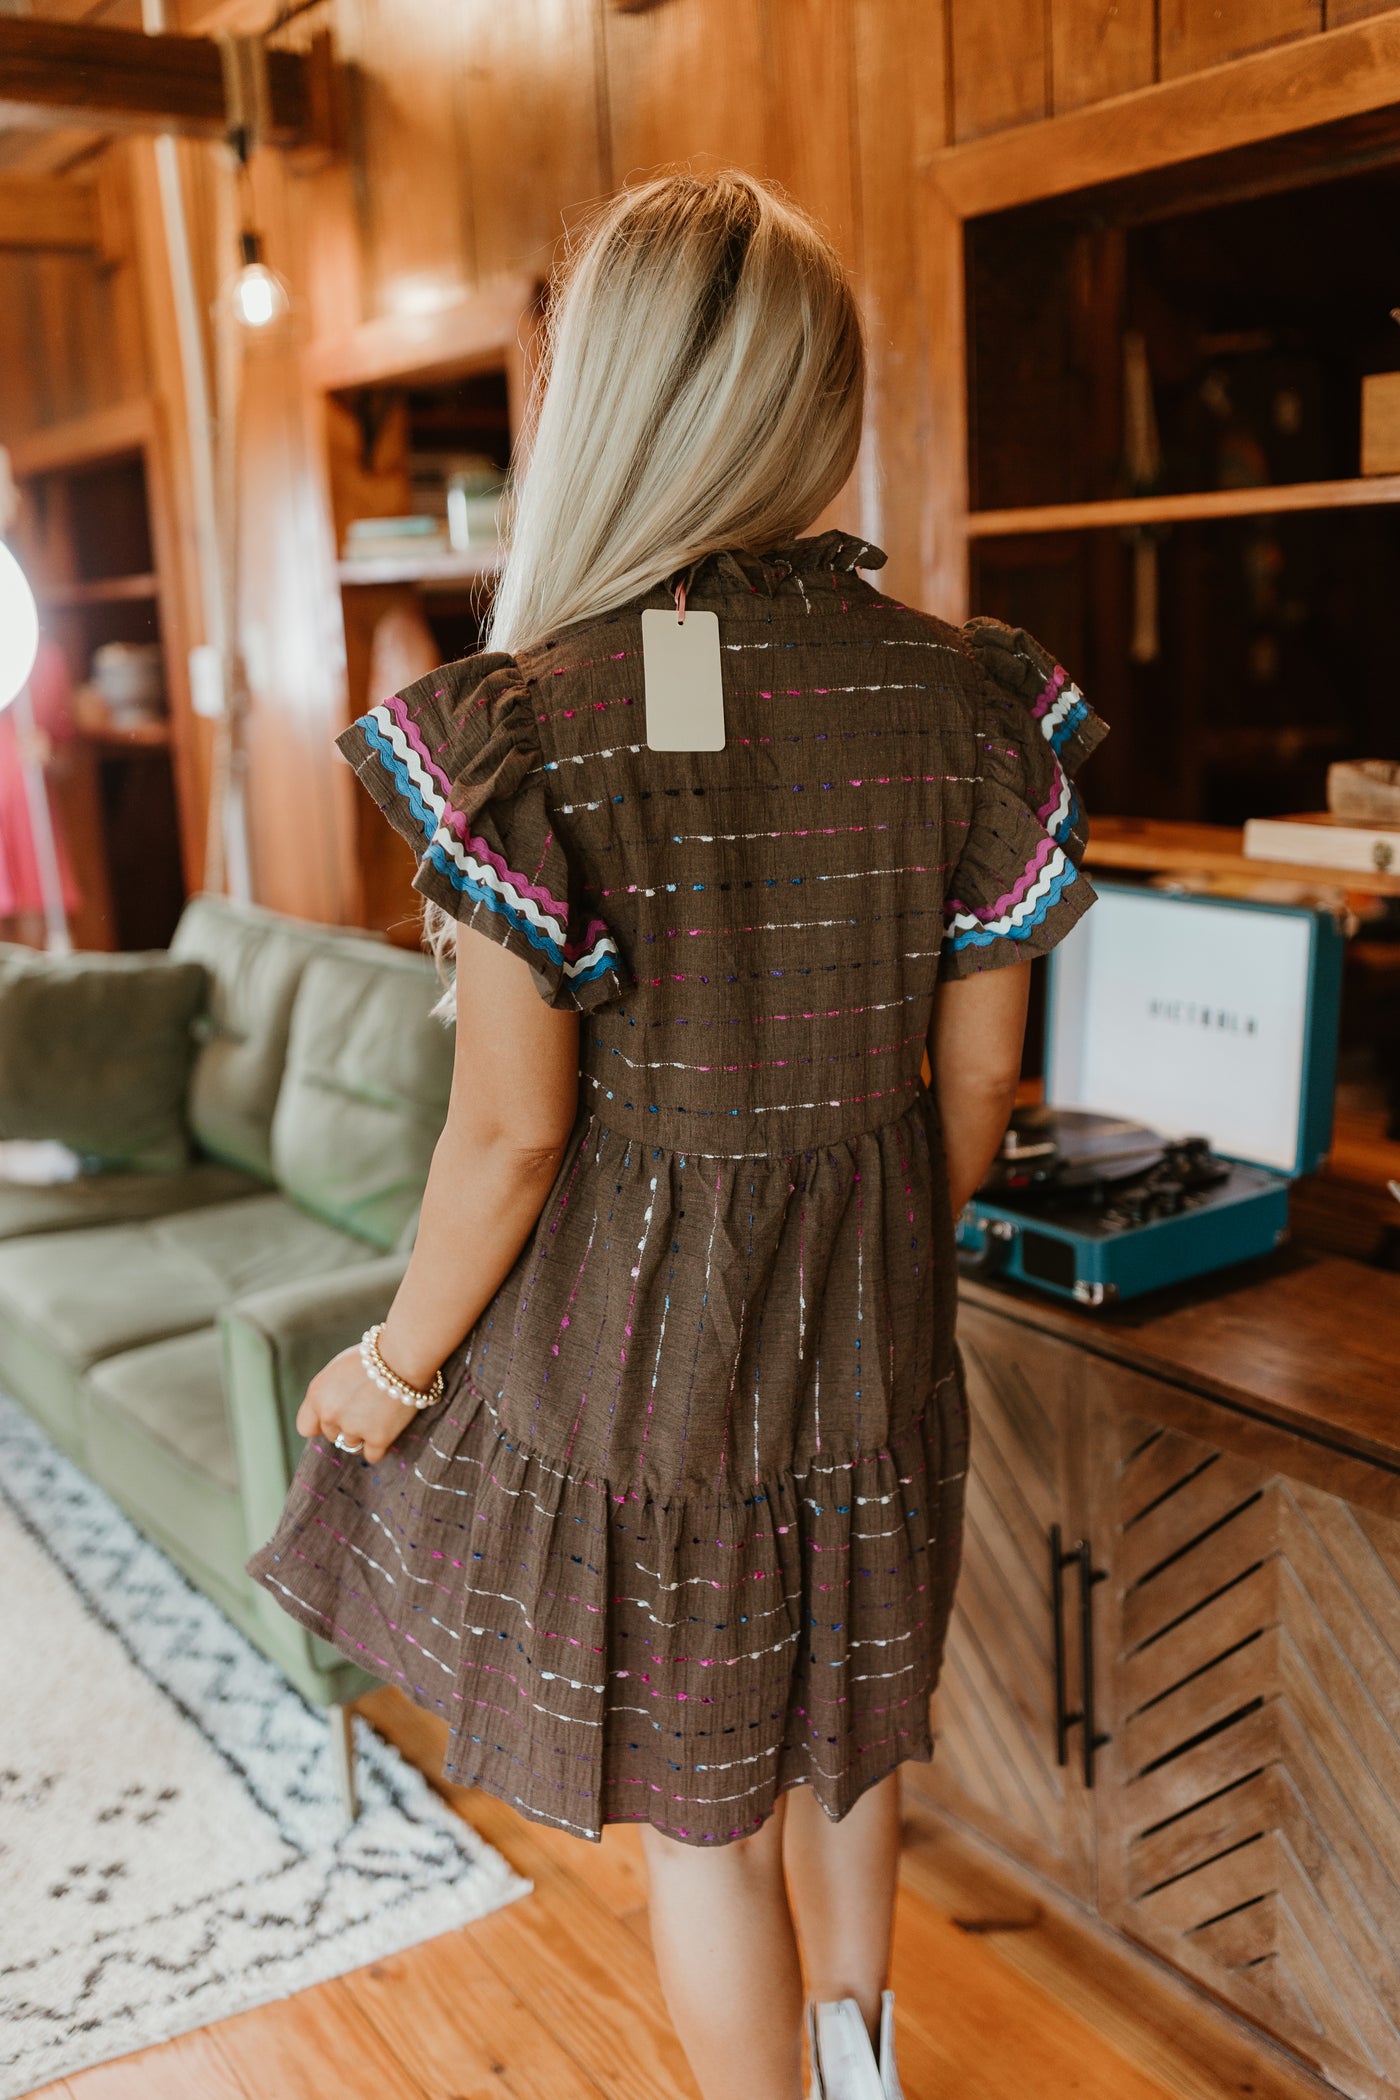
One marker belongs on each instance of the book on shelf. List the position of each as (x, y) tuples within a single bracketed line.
[(1317, 840), (378, 539)]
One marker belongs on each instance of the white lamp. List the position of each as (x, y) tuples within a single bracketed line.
[(19, 645), (19, 628)]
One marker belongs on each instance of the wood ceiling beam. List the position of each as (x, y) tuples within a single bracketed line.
[(44, 211), (121, 80)]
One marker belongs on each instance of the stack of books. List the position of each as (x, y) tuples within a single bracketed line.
[(375, 539)]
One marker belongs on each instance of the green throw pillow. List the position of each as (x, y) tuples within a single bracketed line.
[(95, 1051)]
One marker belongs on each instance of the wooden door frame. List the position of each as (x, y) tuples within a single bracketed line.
[(1315, 80)]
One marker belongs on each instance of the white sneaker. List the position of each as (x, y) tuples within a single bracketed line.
[(889, 2070), (843, 2062)]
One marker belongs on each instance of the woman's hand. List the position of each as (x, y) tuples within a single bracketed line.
[(341, 1401)]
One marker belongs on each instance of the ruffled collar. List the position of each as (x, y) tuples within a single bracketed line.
[(781, 567)]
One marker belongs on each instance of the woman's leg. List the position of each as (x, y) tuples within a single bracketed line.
[(842, 1876), (725, 1947)]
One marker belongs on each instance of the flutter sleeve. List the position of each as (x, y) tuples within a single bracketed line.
[(455, 764), (1019, 884)]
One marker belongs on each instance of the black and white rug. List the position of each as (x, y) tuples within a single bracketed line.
[(172, 1845)]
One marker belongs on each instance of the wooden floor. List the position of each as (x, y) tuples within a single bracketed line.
[(556, 1998)]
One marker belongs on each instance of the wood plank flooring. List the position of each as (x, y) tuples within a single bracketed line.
[(556, 1997)]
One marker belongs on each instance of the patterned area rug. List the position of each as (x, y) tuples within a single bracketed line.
[(172, 1846)]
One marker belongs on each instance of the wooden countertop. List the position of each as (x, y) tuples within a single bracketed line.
[(1153, 846), (1311, 1343)]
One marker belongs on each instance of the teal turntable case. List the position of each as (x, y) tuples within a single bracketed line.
[(1196, 1016)]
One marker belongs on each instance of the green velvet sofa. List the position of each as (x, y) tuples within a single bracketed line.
[(162, 1325)]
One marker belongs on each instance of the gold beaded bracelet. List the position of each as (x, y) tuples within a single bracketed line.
[(389, 1381)]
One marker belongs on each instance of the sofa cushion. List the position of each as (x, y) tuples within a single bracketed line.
[(254, 959), (88, 1295), (95, 1051), (173, 1391), (365, 1091), (115, 1199)]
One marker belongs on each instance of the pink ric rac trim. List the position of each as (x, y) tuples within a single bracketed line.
[(1056, 796), (1053, 688), (1014, 895), (597, 929), (455, 821)]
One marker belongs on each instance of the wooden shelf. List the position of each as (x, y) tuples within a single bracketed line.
[(105, 590), (1270, 500), (135, 736), (1148, 847), (105, 434), (442, 570)]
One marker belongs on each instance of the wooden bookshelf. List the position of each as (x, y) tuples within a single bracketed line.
[(96, 540)]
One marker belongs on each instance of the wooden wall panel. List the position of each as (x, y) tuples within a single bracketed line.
[(533, 123), (685, 83), (809, 88), (1340, 12), (1194, 34), (1100, 48), (900, 119), (415, 216), (1000, 64)]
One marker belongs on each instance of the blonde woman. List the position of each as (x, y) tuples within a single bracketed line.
[(673, 1534)]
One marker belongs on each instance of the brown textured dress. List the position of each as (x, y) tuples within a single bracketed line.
[(685, 1530)]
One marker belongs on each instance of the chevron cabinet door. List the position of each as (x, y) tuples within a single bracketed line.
[(996, 1763), (1249, 1810)]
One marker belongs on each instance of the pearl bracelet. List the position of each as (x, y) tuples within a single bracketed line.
[(389, 1381)]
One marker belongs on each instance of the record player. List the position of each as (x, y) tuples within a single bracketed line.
[(1191, 1048)]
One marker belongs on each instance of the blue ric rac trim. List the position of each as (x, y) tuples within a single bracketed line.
[(482, 894), (983, 936), (1067, 728), (398, 773)]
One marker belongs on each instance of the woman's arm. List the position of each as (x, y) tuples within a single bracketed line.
[(514, 1099), (974, 1045)]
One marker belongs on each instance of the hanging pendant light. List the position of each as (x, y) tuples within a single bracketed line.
[(258, 296)]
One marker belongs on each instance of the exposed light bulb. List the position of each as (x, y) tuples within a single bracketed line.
[(19, 628), (258, 294)]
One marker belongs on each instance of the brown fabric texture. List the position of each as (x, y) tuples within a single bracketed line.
[(685, 1530)]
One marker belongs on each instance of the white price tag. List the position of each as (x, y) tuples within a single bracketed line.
[(684, 694)]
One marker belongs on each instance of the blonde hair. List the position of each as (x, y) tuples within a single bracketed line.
[(701, 390)]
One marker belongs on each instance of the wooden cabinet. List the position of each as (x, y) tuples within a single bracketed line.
[(997, 1764), (1243, 1635)]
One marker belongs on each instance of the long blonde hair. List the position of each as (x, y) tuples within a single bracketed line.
[(701, 390)]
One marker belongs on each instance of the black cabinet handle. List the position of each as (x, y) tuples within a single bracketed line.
[(1081, 1557), (1064, 1720), (1088, 1576)]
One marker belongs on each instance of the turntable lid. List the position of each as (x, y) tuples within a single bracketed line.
[(1203, 1017)]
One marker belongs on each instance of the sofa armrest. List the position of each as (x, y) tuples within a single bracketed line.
[(274, 1343)]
